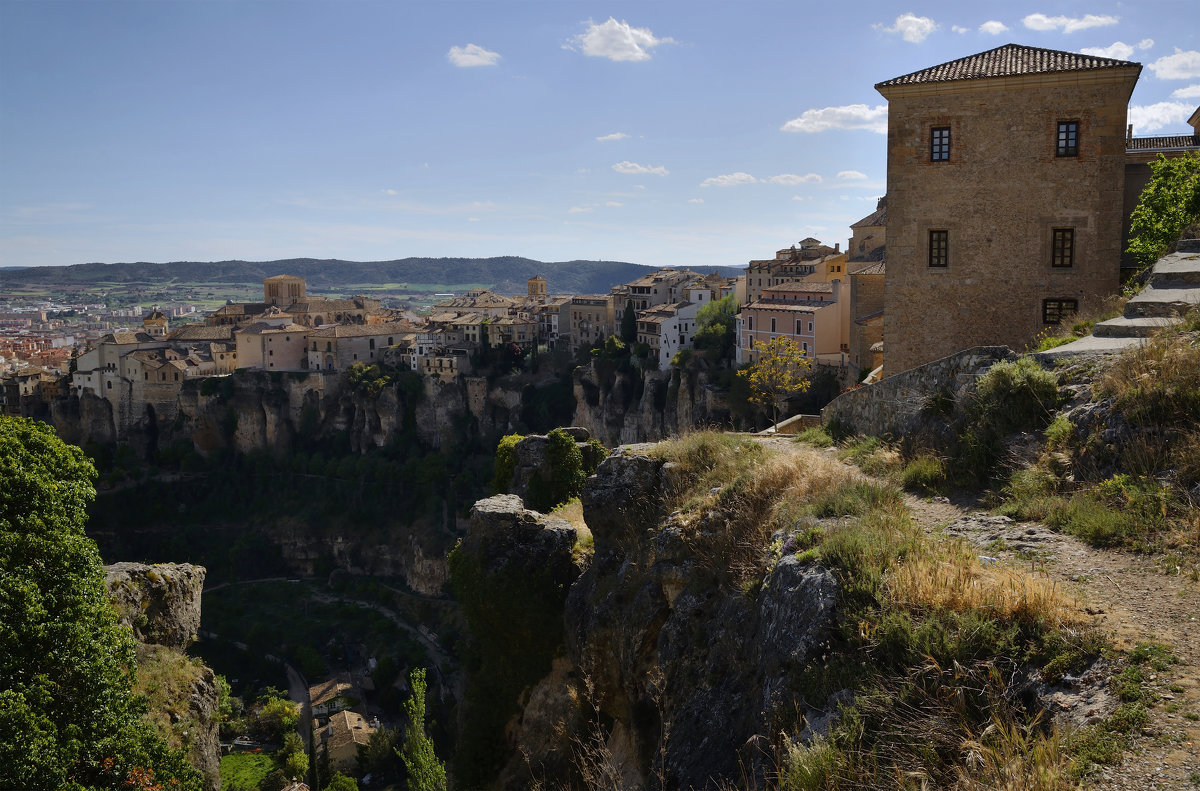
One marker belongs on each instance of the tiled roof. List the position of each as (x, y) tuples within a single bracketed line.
[(128, 337), (877, 217), (203, 332), (357, 330), (806, 286), (1011, 60), (1169, 141), (873, 268)]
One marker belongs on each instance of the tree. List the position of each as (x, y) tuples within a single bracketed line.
[(781, 372), (425, 771), (339, 782), (68, 718), (629, 323), (716, 331), (1168, 205)]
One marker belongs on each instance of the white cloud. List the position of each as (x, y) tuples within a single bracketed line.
[(792, 179), (633, 168), (472, 219), (1145, 43), (615, 40), (1180, 66), (579, 210), (472, 55), (1190, 92), (911, 27), (800, 197), (960, 29), (729, 180), (1068, 24), (389, 192), (1152, 117), (613, 136), (850, 116), (613, 203), (851, 175), (993, 28), (1118, 49), (695, 200)]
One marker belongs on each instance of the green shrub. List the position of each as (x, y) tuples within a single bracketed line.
[(1010, 397), (817, 436), (855, 499), (567, 474), (506, 462), (924, 473)]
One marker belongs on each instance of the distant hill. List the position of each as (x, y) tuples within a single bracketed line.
[(504, 274)]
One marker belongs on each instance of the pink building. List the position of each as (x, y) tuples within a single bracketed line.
[(808, 312)]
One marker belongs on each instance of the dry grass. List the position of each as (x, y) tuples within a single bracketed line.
[(948, 576), (571, 511)]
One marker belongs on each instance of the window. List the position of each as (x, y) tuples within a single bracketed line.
[(750, 319), (1063, 254), (797, 326), (939, 144), (810, 326), (1068, 139), (772, 324), (939, 248), (1055, 310)]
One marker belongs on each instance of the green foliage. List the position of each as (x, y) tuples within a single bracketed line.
[(380, 757), (425, 771), (367, 380), (67, 715), (292, 758), (629, 323), (716, 329), (1169, 203), (924, 473), (1010, 397), (340, 782), (506, 462), (244, 771), (567, 474), (817, 436), (272, 719)]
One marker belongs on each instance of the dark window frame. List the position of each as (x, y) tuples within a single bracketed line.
[(939, 144), (1055, 309), (1066, 141), (939, 248), (1062, 248)]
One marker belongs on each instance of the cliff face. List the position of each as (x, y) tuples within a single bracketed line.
[(631, 406), (690, 673), (161, 603)]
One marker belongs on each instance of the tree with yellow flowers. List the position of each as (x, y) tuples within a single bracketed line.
[(782, 371)]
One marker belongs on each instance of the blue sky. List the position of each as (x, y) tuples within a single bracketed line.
[(660, 132)]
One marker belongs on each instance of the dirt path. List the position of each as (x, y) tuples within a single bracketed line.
[(1137, 598)]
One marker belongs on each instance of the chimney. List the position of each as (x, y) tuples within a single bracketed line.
[(837, 247)]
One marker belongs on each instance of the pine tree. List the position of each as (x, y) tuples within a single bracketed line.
[(425, 771)]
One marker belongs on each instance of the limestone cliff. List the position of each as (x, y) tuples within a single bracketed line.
[(161, 603), (663, 673), (624, 407)]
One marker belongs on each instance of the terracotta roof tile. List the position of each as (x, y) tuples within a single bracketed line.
[(1010, 60), (1169, 141)]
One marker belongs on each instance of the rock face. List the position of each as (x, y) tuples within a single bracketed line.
[(161, 603), (625, 407), (686, 674)]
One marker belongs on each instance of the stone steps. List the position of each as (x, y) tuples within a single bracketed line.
[(1162, 302), (1132, 328)]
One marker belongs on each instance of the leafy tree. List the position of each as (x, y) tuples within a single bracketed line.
[(1168, 205), (425, 771), (292, 758), (378, 756), (629, 323), (339, 782), (782, 371), (273, 718), (716, 332), (567, 474), (68, 718)]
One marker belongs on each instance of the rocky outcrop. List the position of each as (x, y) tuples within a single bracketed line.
[(666, 673), (161, 604), (535, 468), (626, 407)]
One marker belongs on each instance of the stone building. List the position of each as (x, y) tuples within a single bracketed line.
[(1005, 197), (791, 264), (814, 314)]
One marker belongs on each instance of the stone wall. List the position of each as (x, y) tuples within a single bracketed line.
[(907, 403), (999, 197)]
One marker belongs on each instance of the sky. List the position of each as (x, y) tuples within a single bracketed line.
[(660, 132)]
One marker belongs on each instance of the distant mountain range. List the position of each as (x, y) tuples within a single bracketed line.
[(504, 274)]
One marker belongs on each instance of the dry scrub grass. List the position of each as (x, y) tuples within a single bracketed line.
[(946, 575), (571, 511)]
